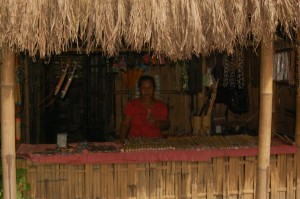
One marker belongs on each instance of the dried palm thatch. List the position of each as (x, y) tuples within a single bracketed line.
[(176, 28)]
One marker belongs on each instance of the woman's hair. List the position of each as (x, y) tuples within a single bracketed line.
[(146, 78)]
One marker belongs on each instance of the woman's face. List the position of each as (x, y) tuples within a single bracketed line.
[(147, 89)]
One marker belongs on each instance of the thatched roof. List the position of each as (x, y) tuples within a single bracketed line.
[(176, 28)]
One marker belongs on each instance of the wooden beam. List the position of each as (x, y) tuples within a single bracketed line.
[(8, 125), (265, 117)]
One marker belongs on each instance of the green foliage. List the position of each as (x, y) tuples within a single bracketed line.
[(22, 185)]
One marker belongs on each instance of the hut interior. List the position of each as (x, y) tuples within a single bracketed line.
[(84, 94)]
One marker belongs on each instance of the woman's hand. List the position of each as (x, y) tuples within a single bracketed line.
[(150, 118)]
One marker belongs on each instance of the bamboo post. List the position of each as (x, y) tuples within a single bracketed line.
[(8, 125), (297, 125), (265, 116), (26, 101)]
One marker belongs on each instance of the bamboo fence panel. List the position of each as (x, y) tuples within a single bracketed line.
[(222, 177)]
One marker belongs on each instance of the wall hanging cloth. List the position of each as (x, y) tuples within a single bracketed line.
[(233, 92), (195, 75)]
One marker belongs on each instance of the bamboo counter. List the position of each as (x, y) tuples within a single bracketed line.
[(169, 173)]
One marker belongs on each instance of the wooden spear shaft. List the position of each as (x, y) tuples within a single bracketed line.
[(297, 125), (8, 125), (265, 116)]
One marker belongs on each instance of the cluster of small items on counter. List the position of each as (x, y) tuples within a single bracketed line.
[(190, 142), (161, 144)]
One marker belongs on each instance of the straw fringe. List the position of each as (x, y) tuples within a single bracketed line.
[(176, 28)]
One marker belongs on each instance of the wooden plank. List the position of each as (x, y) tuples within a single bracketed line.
[(219, 170), (33, 181), (201, 181), (282, 170), (249, 180), (110, 183), (274, 180), (88, 174), (241, 177), (41, 182), (170, 179), (233, 178), (104, 181), (153, 179), (290, 177), (116, 188), (63, 185), (81, 180), (97, 181), (210, 183), (141, 181), (194, 180), (69, 180), (159, 181)]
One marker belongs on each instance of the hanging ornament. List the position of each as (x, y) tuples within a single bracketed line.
[(146, 58), (185, 78)]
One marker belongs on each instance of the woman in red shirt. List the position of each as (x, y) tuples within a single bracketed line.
[(145, 116)]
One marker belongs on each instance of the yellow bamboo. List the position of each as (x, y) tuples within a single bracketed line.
[(8, 125), (297, 125), (265, 117)]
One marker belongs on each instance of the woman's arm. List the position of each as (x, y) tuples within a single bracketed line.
[(124, 127), (162, 124)]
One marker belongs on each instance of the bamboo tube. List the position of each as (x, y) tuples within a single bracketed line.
[(8, 125), (297, 125), (196, 125), (265, 116)]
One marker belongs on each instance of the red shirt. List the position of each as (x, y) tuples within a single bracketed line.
[(139, 126)]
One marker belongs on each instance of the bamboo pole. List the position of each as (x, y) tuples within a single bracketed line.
[(265, 116), (297, 125), (8, 125), (26, 101)]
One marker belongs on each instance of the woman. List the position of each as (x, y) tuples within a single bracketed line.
[(145, 116)]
